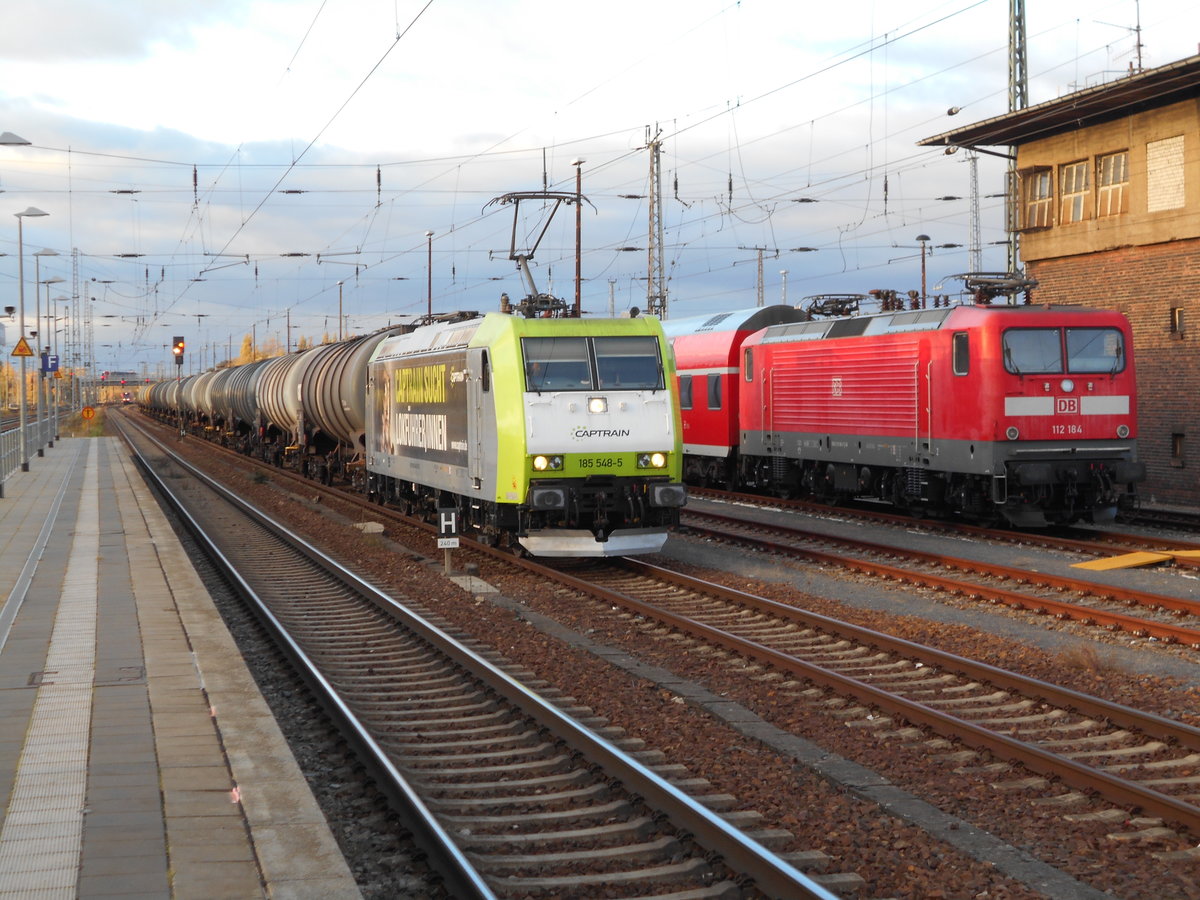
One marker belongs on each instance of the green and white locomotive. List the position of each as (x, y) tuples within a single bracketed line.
[(555, 436)]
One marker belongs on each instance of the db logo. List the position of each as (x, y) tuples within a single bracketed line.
[(1066, 405)]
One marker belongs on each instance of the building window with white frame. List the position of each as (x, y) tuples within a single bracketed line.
[(1112, 178), (1076, 188), (1037, 188)]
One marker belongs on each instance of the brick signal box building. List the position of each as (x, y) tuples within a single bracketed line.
[(1108, 212)]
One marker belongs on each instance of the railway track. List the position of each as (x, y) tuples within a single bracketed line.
[(1077, 727), (1070, 744), (1085, 540), (890, 736), (1165, 518), (507, 792), (1172, 620)]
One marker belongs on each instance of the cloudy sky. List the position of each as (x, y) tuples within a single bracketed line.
[(219, 167)]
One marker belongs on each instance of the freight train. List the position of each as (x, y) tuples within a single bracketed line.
[(553, 436), (986, 412)]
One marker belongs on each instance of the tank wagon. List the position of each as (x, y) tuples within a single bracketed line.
[(556, 436), (1024, 413)]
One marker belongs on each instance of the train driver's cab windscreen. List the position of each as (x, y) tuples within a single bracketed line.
[(557, 364), (628, 363), (585, 364), (1095, 350), (1030, 351), (1051, 351)]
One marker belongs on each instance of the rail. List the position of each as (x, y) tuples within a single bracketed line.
[(770, 873)]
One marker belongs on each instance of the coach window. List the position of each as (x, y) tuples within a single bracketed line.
[(714, 391), (685, 391), (748, 363), (1033, 351), (962, 353)]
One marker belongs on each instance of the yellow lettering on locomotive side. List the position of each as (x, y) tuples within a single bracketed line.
[(421, 384), (420, 430)]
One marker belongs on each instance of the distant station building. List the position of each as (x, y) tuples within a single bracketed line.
[(1108, 212)]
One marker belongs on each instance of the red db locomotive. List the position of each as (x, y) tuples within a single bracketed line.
[(1026, 413)]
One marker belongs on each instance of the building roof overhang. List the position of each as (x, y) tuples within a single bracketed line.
[(1093, 106)]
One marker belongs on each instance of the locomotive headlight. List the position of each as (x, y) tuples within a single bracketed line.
[(1068, 385), (1122, 431), (654, 460), (547, 463), (1012, 433), (597, 404)]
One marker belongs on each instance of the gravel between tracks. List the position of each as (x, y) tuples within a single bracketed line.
[(895, 858)]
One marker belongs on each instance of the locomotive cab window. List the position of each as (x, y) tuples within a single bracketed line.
[(1040, 351), (556, 364), (584, 364), (1095, 350), (1029, 351), (629, 363), (961, 353)]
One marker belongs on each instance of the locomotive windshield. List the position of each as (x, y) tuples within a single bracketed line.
[(586, 364), (1095, 350), (1040, 351), (629, 363)]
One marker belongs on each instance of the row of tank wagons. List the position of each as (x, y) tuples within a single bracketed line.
[(560, 434), (1025, 413), (305, 409)]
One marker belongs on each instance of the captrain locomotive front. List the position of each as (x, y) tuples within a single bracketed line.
[(557, 437)]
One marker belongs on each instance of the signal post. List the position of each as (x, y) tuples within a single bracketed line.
[(177, 346)]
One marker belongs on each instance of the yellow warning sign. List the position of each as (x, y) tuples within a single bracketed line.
[(22, 348)]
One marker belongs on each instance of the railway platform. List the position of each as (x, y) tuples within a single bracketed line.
[(137, 756)]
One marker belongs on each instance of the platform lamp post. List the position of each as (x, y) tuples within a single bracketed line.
[(22, 415), (44, 353), (924, 239), (56, 389)]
